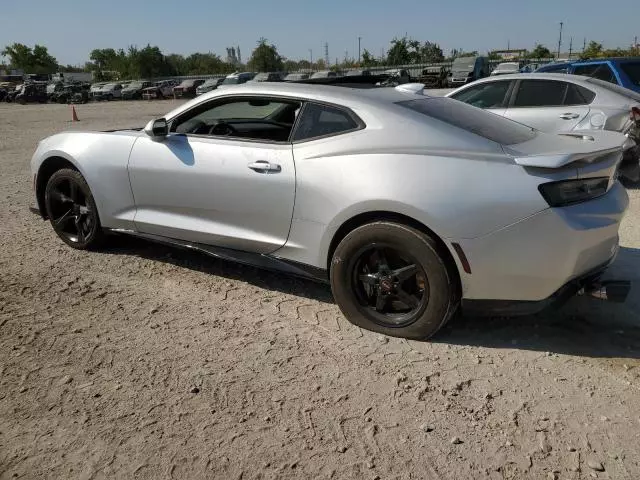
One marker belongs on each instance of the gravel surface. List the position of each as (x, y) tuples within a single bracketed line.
[(141, 361)]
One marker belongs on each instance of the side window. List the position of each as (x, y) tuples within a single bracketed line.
[(540, 93), (256, 118), (599, 70), (485, 95), (322, 120), (577, 95)]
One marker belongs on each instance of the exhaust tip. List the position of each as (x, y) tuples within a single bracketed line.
[(615, 291)]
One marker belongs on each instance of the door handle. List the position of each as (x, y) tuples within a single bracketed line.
[(569, 116), (262, 166)]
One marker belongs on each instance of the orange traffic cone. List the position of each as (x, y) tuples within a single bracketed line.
[(74, 115)]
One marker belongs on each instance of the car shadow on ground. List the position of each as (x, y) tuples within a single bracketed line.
[(583, 327)]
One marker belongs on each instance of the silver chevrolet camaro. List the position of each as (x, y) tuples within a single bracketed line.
[(410, 206)]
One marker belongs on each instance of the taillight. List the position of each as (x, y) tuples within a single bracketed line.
[(635, 114), (569, 192)]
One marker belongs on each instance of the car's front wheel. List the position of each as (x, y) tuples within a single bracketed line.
[(72, 210), (391, 278)]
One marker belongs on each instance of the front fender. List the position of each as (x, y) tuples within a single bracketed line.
[(102, 159)]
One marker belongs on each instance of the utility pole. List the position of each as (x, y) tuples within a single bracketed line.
[(635, 43), (311, 58), (508, 45), (326, 53), (359, 40), (584, 44), (570, 47), (560, 40)]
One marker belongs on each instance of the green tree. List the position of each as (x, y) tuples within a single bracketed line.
[(431, 53), (36, 60), (265, 58), (540, 51), (368, 60), (398, 53), (593, 50)]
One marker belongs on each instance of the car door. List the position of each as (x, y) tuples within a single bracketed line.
[(548, 105), (223, 176), (492, 96)]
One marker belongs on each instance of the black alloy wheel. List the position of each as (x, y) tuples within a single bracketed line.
[(72, 210), (390, 283), (393, 279)]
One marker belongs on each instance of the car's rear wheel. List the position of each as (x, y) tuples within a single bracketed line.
[(391, 278), (72, 210)]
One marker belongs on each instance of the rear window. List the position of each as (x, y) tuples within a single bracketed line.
[(486, 124), (632, 69)]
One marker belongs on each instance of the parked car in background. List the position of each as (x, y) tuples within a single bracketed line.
[(71, 93), (296, 77), (530, 68), (624, 72), (268, 77), (95, 88), (506, 68), (555, 67), (358, 73), (324, 74), (133, 91), (554, 102), (108, 92), (237, 78), (159, 90), (53, 88), (35, 92), (395, 77), (468, 69), (434, 77), (187, 88), (208, 85), (366, 189)]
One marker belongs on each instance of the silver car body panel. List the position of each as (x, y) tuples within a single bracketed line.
[(465, 188)]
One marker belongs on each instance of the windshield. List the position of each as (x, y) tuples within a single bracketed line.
[(632, 69), (507, 66), (261, 77), (486, 124), (187, 83), (109, 86), (135, 85), (464, 63)]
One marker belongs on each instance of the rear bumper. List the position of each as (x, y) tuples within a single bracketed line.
[(534, 258), (510, 308)]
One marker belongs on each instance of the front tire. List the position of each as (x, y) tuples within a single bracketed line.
[(72, 210), (391, 279)]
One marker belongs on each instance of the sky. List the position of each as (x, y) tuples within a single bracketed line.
[(72, 28)]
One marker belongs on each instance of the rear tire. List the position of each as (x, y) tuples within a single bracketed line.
[(72, 210), (391, 279)]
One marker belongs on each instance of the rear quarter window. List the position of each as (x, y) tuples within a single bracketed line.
[(475, 120), (632, 70)]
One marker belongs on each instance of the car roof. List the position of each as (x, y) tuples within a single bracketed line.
[(345, 96)]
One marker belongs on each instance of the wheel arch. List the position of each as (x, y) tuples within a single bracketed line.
[(383, 215), (48, 167)]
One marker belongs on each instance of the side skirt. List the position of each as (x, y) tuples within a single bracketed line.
[(265, 262)]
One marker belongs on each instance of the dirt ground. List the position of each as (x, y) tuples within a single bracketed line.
[(145, 362)]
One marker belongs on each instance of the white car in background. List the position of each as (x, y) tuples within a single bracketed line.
[(556, 102), (506, 68)]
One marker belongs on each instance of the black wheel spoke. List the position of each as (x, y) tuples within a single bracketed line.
[(59, 196), (369, 279), (409, 300), (80, 228), (382, 259), (68, 215), (404, 273), (73, 191), (381, 302)]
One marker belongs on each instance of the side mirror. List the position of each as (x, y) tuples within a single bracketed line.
[(157, 128)]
